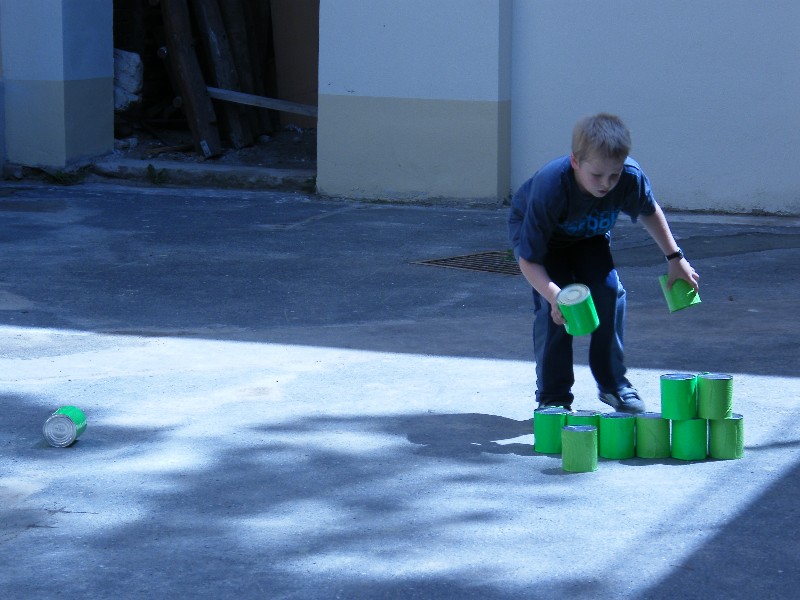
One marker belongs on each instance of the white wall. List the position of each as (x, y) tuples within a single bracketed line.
[(411, 49), (414, 99), (2, 98), (709, 88), (34, 25)]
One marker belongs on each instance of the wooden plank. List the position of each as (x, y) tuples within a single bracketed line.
[(163, 149), (183, 61), (262, 59), (236, 26), (262, 102), (222, 68)]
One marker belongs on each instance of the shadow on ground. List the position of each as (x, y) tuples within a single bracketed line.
[(294, 511)]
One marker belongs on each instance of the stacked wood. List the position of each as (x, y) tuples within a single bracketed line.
[(186, 69), (262, 60), (272, 103), (222, 68), (227, 90), (234, 15)]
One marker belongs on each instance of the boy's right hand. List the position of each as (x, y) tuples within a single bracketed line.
[(555, 314), (539, 279)]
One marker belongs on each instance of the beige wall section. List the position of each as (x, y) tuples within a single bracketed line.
[(413, 149), (90, 127), (35, 133), (41, 135)]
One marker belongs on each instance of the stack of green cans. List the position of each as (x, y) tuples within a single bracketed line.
[(696, 422), (700, 410), (725, 427)]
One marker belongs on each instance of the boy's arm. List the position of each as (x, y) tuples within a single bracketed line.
[(658, 228), (537, 276)]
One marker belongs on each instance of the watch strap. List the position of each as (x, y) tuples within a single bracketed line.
[(677, 254)]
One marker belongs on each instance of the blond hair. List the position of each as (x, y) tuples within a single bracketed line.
[(601, 135)]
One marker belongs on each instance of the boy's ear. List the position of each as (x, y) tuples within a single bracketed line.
[(573, 161)]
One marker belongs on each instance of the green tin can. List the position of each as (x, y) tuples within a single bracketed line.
[(714, 396), (652, 436), (616, 436), (679, 396), (579, 448), (726, 437), (690, 439), (64, 426), (547, 425), (680, 295), (584, 417), (576, 304)]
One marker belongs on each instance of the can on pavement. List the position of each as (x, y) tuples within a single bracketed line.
[(64, 426)]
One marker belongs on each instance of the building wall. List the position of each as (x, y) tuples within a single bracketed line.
[(464, 99), (58, 80), (414, 99), (709, 90), (3, 159), (414, 103)]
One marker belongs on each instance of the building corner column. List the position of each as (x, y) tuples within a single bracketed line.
[(58, 78)]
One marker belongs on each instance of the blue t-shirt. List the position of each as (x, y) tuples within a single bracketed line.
[(551, 211)]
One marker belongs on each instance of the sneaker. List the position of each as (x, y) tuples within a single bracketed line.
[(625, 400)]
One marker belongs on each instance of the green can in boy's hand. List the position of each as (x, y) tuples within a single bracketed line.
[(576, 304), (680, 295)]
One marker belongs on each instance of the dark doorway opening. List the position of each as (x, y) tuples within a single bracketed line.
[(172, 56)]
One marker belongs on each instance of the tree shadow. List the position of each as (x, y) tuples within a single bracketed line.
[(282, 511), (326, 507)]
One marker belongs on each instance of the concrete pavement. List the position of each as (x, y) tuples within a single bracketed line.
[(283, 403)]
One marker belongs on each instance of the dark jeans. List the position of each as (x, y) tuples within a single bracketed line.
[(588, 262)]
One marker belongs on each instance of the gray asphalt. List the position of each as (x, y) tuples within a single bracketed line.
[(283, 402)]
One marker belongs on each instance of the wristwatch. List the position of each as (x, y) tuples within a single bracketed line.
[(677, 254)]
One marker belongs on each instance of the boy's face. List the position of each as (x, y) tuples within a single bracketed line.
[(597, 176)]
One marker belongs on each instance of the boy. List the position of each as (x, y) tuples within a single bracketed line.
[(559, 228)]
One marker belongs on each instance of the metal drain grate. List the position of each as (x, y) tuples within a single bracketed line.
[(499, 261)]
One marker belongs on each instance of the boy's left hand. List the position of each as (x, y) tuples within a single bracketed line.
[(681, 269)]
